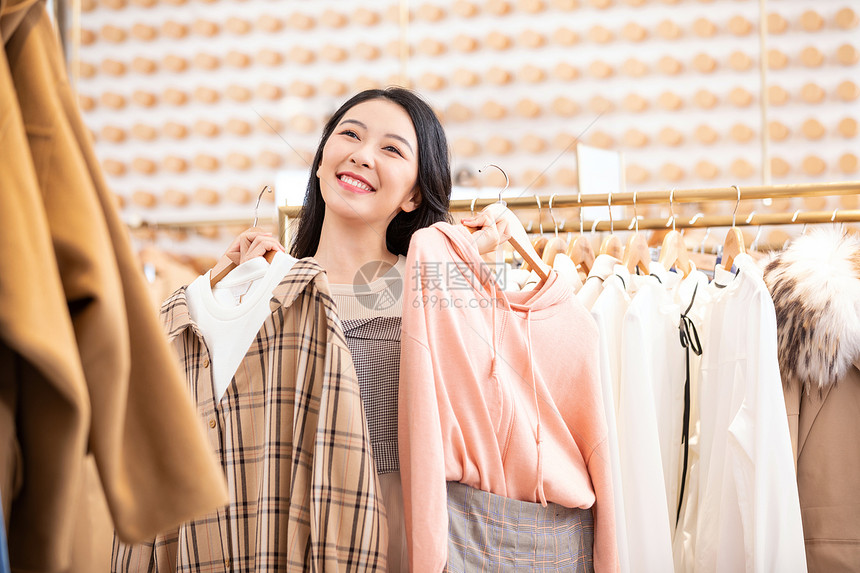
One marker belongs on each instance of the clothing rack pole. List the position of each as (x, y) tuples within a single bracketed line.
[(797, 218), (680, 196), (133, 223)]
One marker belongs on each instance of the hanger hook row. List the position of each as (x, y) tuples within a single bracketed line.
[(507, 181), (257, 206)]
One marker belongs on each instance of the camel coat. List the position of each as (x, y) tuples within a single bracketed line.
[(84, 366)]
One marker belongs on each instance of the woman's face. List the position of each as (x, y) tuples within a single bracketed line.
[(369, 166)]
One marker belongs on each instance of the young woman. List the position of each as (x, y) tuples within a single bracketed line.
[(380, 173)]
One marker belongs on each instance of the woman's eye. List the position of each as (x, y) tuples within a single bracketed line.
[(349, 133), (393, 150)]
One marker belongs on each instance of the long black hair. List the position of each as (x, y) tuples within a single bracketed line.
[(434, 176)]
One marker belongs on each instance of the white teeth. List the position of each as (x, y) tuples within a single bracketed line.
[(355, 183)]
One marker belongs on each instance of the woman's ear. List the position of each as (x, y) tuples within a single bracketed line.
[(412, 201)]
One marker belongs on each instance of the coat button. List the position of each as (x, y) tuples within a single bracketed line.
[(212, 423), (227, 563), (206, 363)]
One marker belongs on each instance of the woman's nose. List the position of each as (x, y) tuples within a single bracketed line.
[(362, 156)]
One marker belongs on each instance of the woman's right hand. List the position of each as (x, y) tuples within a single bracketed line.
[(487, 234), (253, 242)]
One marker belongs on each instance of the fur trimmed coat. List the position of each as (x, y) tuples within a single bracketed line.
[(815, 285)]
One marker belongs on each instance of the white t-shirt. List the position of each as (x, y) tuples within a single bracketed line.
[(230, 317)]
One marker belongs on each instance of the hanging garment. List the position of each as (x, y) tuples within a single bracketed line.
[(692, 295), (292, 437), (83, 363), (603, 267), (650, 412), (815, 286), (749, 514), (489, 399), (547, 539), (230, 315), (608, 312)]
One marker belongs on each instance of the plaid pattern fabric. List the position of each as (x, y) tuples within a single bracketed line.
[(375, 347), (292, 438), (488, 532)]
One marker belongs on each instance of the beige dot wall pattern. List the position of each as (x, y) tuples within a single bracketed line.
[(184, 97)]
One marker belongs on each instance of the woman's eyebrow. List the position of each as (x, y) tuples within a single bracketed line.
[(391, 135)]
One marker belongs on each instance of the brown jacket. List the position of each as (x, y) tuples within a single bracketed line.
[(815, 286), (83, 363)]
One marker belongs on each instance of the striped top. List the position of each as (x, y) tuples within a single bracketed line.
[(291, 435)]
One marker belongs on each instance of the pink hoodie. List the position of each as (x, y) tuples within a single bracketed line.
[(502, 397)]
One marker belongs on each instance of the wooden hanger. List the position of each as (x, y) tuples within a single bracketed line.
[(580, 250), (268, 256), (673, 252), (611, 245), (636, 253), (734, 243), (519, 238)]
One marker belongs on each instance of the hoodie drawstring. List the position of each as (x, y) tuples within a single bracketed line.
[(539, 493)]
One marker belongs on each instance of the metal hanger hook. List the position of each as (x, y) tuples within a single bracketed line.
[(594, 225), (257, 206), (672, 207), (754, 243), (579, 202), (611, 222), (552, 215), (472, 206), (833, 220), (507, 181), (635, 212), (540, 213), (704, 240), (737, 204)]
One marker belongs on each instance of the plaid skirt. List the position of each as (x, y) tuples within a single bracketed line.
[(488, 532)]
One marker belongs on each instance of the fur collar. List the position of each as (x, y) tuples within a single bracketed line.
[(815, 285)]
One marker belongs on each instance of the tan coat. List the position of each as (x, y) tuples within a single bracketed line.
[(83, 363), (815, 287), (826, 434)]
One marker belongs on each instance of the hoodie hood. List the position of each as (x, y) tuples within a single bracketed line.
[(815, 286)]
